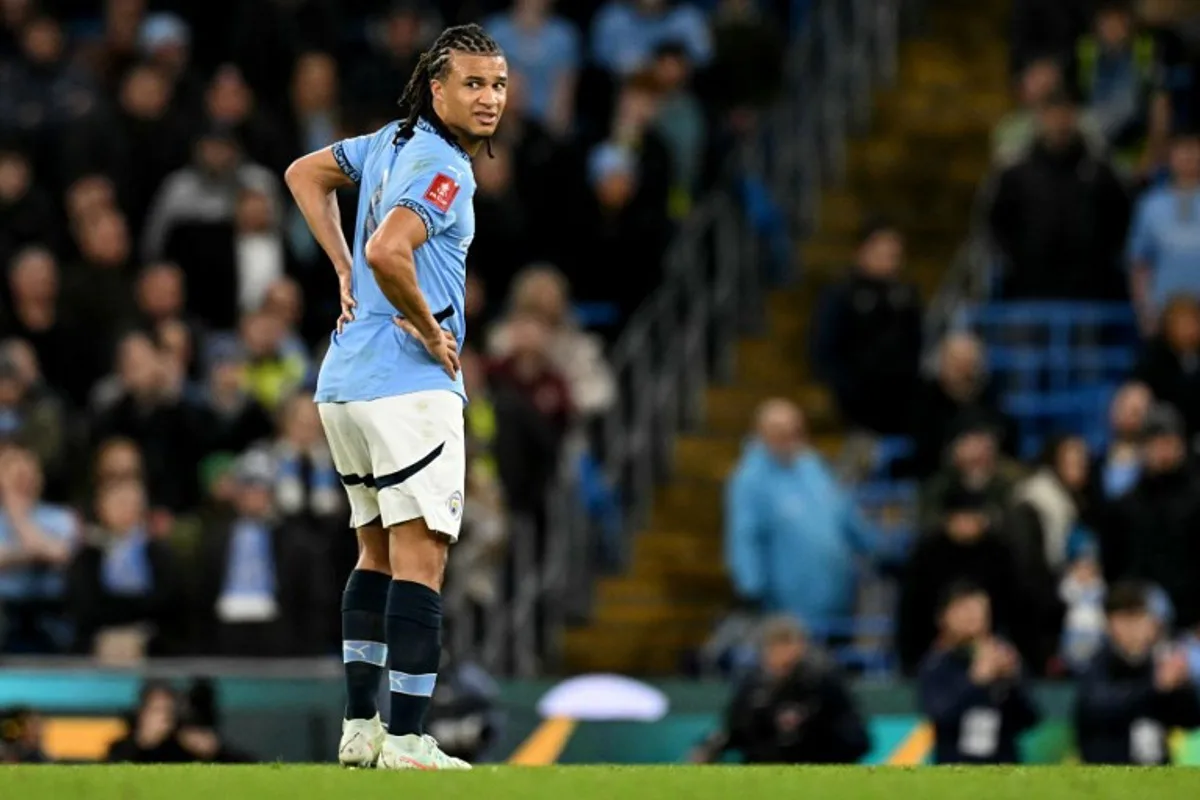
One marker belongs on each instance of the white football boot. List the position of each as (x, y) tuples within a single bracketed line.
[(362, 740), (416, 752)]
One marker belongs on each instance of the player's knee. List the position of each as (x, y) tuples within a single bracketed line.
[(418, 555)]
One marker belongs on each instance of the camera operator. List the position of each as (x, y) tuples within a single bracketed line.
[(794, 709), (1131, 695), (970, 685)]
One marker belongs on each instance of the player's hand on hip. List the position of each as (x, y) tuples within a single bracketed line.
[(443, 348), (347, 300)]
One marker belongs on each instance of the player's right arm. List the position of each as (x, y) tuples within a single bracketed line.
[(314, 180), (391, 255)]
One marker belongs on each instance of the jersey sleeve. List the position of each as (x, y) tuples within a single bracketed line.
[(432, 191), (351, 155)]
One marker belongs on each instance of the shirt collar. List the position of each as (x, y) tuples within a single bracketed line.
[(425, 125)]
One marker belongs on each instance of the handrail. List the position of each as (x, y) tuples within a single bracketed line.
[(683, 336)]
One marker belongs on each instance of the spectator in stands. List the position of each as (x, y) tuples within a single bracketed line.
[(226, 418), (971, 686), (116, 459), (1016, 133), (1082, 591), (1119, 71), (867, 343), (30, 417), (99, 290), (47, 94), (795, 708), (189, 218), (624, 228), (1132, 696), (260, 255), (966, 546), (1164, 242), (680, 123), (37, 317), (748, 47), (166, 42), (1050, 525), (972, 460), (230, 105), (626, 32), (161, 305), (544, 55), (475, 576), (1153, 534), (1059, 215), (36, 543), (26, 213), (1041, 29), (959, 390), (262, 590), (274, 370), (315, 101), (1170, 363), (149, 411), (792, 534), (395, 47), (525, 443), (542, 291), (305, 483), (503, 224), (146, 141), (125, 587), (528, 369), (1120, 466)]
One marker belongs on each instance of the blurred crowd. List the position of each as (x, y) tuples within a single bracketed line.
[(164, 483), (1095, 196)]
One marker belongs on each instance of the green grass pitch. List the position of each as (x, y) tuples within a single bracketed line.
[(595, 783)]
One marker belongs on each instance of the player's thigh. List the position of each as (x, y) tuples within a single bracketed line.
[(351, 454), (418, 453)]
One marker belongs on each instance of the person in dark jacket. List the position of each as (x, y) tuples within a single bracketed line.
[(970, 685), (1128, 699), (1170, 363), (960, 391), (867, 345), (1060, 216), (1153, 534), (261, 586), (794, 709), (966, 547), (125, 581)]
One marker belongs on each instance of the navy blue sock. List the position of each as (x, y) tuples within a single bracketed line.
[(364, 642), (414, 637)]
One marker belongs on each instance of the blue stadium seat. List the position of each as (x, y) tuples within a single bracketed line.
[(1057, 364)]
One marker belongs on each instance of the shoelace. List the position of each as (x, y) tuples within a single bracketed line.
[(440, 756)]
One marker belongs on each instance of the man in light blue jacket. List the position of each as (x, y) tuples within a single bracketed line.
[(792, 534)]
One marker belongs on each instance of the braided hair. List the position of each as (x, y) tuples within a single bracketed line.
[(434, 64)]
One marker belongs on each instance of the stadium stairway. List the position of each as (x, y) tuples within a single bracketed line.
[(920, 166)]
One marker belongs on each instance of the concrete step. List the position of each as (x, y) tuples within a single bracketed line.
[(663, 588), (940, 109), (676, 546), (665, 615), (646, 648)]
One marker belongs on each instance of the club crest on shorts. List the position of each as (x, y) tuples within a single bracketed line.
[(455, 504)]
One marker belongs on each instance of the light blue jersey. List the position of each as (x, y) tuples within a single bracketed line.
[(372, 357)]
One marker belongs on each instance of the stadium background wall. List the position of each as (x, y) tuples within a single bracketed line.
[(297, 720)]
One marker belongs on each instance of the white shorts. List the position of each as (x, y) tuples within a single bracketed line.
[(401, 458)]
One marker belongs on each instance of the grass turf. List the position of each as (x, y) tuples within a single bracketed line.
[(596, 783)]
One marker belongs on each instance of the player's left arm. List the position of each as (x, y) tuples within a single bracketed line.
[(391, 254)]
